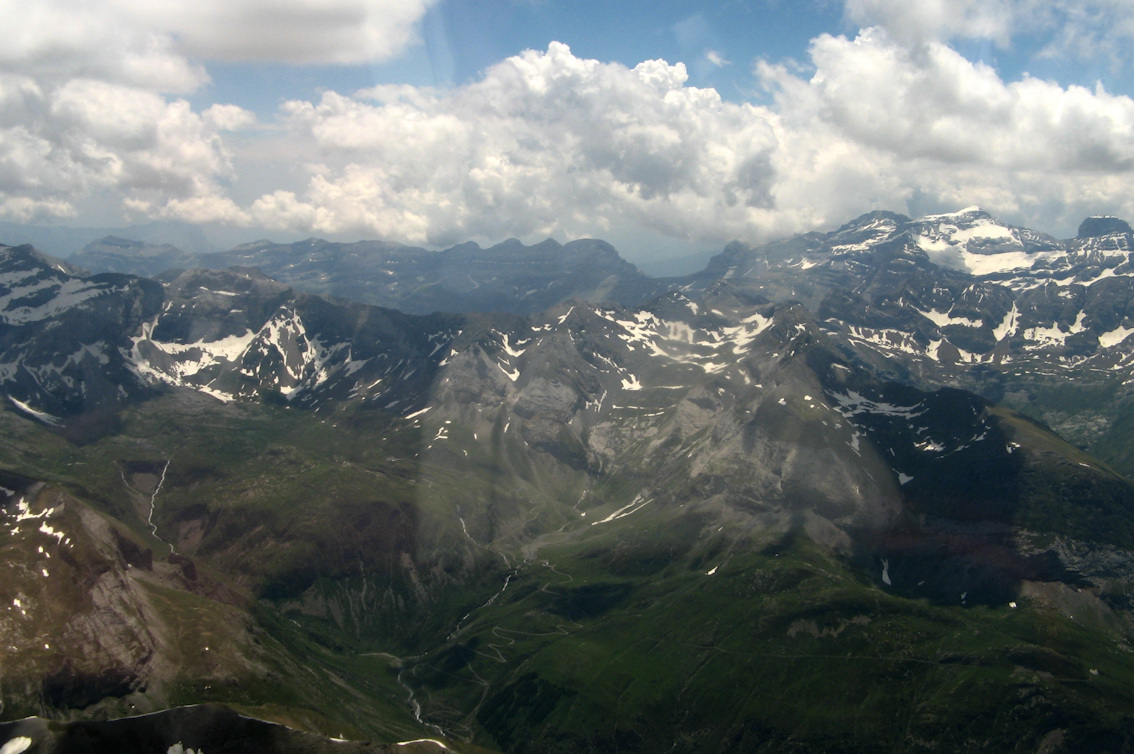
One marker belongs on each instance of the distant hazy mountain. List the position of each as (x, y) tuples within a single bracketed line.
[(508, 277), (114, 254), (63, 241)]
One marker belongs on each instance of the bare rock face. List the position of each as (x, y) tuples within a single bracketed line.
[(76, 622), (1094, 227), (90, 622)]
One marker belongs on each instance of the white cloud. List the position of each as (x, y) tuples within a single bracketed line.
[(55, 40), (292, 31), (545, 143), (153, 43), (1078, 29), (548, 143), (229, 118), (22, 209), (90, 136), (906, 127), (202, 209), (716, 59), (915, 22), (935, 104), (85, 89), (1082, 29)]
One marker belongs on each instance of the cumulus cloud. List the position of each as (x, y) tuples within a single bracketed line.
[(55, 40), (88, 136), (546, 142), (291, 31), (1083, 29), (87, 93), (23, 209), (153, 43), (940, 106), (202, 209), (229, 118), (915, 22), (926, 126)]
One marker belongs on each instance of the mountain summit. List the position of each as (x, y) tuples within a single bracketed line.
[(1094, 227)]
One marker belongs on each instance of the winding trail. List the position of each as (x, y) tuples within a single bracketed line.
[(504, 637), (492, 650)]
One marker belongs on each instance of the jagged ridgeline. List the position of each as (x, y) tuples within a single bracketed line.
[(865, 490)]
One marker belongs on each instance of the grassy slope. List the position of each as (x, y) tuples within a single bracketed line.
[(779, 650), (299, 480), (1096, 415), (613, 639)]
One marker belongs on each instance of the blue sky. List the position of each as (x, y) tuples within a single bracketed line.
[(459, 40), (665, 127)]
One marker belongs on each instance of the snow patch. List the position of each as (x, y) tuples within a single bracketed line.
[(509, 349), (44, 417), (179, 748), (886, 338), (1008, 325), (1077, 326), (68, 294), (24, 512), (1114, 337), (1043, 337), (423, 741), (853, 404), (951, 215), (633, 507), (944, 319), (16, 745)]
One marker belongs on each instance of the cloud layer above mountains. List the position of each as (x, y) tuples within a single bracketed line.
[(95, 115)]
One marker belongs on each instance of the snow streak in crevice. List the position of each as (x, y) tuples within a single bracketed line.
[(153, 504)]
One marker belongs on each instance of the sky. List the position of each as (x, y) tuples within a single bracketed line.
[(663, 127)]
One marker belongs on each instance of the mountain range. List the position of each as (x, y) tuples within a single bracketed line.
[(866, 489)]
